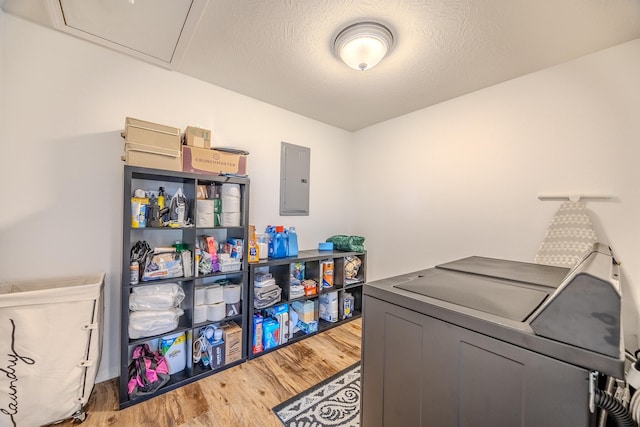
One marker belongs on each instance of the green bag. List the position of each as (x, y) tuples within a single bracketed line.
[(347, 243)]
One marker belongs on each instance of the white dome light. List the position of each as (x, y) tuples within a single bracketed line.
[(361, 46)]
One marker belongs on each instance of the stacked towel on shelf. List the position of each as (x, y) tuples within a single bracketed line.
[(263, 279), (568, 237), (266, 295)]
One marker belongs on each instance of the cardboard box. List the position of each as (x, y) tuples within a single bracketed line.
[(152, 134), (202, 160), (232, 337), (197, 137), (305, 310), (257, 333), (201, 192), (152, 157)]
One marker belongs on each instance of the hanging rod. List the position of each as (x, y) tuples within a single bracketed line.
[(573, 197)]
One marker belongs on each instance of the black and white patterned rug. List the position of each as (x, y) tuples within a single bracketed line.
[(333, 402)]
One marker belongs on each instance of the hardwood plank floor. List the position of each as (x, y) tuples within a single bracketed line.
[(241, 396)]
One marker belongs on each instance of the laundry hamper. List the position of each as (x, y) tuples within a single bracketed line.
[(50, 346)]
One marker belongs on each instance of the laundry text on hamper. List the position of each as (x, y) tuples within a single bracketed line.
[(10, 372)]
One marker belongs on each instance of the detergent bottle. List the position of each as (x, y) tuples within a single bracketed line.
[(270, 231), (253, 249), (292, 242), (162, 197), (280, 243)]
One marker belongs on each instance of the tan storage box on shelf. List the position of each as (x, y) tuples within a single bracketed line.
[(153, 134), (152, 157), (202, 160), (152, 145), (197, 137)]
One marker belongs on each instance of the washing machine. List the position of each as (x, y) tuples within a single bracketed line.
[(485, 342)]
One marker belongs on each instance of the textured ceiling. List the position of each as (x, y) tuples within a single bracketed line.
[(280, 51)]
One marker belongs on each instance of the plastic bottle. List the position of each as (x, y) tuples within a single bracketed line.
[(348, 304), (253, 249), (134, 273), (280, 245), (292, 242), (162, 196), (270, 231), (263, 246)]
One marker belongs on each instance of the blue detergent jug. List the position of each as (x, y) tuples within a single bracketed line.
[(270, 231), (280, 243), (292, 240)]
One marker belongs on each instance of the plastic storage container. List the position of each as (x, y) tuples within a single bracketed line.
[(50, 349), (263, 245)]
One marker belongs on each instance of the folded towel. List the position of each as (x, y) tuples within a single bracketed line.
[(266, 296), (296, 291)]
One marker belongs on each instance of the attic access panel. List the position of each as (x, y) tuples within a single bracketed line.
[(157, 31), (294, 180)]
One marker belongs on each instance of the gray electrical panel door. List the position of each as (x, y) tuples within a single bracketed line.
[(294, 180)]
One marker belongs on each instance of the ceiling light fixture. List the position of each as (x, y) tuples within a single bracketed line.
[(363, 45)]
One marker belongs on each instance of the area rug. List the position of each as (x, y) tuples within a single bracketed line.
[(333, 402)]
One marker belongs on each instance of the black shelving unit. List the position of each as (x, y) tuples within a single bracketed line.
[(280, 269), (152, 179)]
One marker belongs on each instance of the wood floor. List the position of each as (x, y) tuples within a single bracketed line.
[(241, 396)]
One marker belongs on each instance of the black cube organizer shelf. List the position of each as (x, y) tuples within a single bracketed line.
[(345, 281), (189, 323)]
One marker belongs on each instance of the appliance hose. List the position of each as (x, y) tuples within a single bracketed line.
[(614, 408)]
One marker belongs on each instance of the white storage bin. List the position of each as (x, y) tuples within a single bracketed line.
[(231, 266), (51, 333)]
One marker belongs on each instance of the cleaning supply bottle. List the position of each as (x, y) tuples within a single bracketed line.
[(292, 242), (270, 231), (280, 244), (263, 246), (161, 201), (253, 249)]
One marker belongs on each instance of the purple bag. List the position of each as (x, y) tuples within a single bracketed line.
[(148, 371)]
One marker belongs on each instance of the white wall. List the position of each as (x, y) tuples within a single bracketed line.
[(65, 103), (461, 178)]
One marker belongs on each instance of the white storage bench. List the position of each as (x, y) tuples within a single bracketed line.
[(50, 346)]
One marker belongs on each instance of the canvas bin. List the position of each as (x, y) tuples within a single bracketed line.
[(51, 348)]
